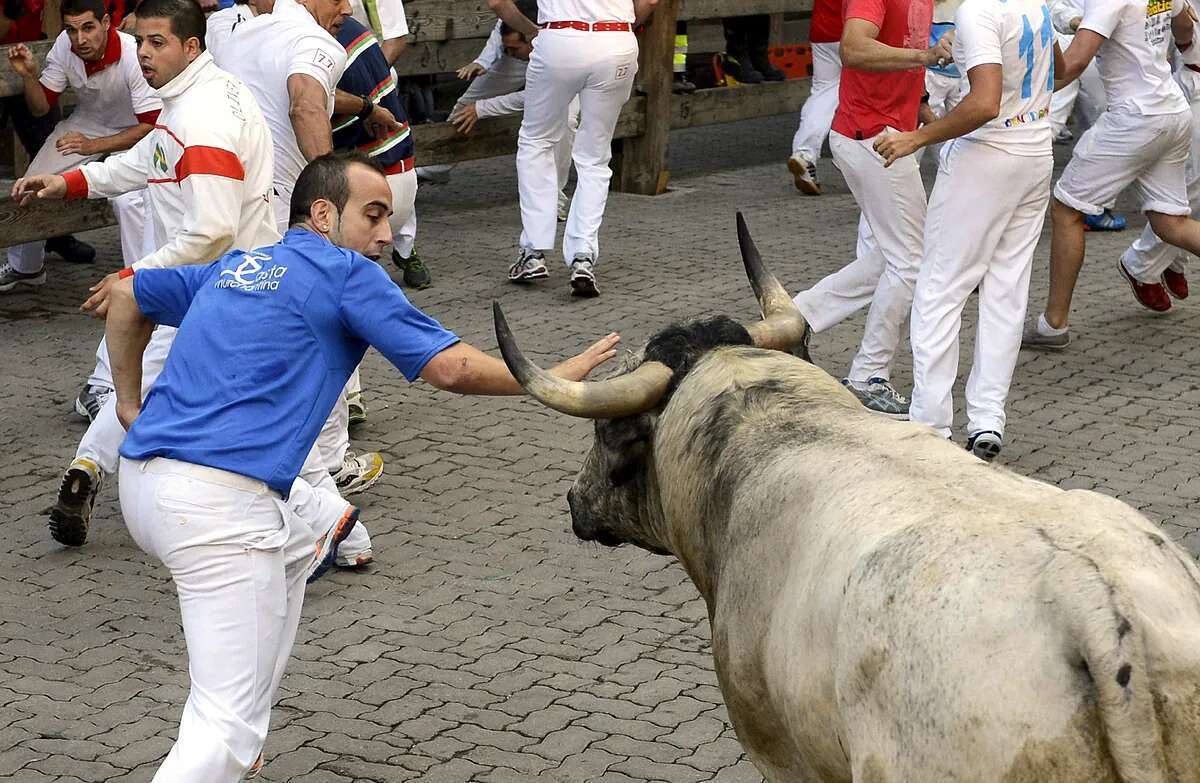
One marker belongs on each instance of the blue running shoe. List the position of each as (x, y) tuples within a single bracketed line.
[(1105, 221)]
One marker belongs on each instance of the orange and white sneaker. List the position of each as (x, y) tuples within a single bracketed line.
[(354, 560), (326, 550)]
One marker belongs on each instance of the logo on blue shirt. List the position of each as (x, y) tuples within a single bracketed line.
[(250, 275)]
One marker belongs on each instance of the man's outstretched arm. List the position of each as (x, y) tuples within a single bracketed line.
[(127, 330), (467, 370)]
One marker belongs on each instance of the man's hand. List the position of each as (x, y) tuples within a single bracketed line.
[(22, 62), (465, 119), (577, 367), (127, 411), (75, 143), (41, 186), (470, 71), (941, 53), (381, 123), (97, 303), (894, 146)]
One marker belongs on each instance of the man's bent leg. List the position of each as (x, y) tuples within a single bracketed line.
[(1067, 243)]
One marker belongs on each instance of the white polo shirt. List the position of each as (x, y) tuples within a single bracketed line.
[(1133, 61), (112, 93), (220, 26), (585, 11), (263, 52)]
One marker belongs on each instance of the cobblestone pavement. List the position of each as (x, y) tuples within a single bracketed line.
[(486, 644)]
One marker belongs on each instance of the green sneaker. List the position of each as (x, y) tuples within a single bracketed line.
[(358, 408), (415, 274)]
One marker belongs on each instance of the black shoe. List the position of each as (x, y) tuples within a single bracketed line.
[(415, 274), (763, 65), (682, 86), (71, 249), (740, 70), (72, 512)]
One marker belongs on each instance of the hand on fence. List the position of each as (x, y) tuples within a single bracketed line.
[(26, 189), (75, 143), (22, 62), (470, 71), (465, 119), (97, 304)]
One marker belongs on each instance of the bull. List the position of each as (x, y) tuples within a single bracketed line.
[(885, 607)]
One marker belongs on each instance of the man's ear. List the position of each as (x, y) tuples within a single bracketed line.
[(324, 215)]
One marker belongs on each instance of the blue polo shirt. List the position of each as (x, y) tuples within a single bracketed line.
[(267, 340)]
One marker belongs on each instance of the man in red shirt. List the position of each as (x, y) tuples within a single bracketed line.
[(884, 56), (824, 33)]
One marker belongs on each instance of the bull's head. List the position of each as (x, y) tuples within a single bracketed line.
[(615, 496)]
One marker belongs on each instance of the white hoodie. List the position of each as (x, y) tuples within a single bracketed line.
[(207, 169)]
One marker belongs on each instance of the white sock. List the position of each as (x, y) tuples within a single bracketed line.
[(1046, 330)]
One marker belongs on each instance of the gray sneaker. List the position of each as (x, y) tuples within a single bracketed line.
[(880, 397), (986, 444), (90, 400), (530, 265), (11, 278), (583, 277), (1032, 338)]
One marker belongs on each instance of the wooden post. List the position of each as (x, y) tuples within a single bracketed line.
[(642, 164)]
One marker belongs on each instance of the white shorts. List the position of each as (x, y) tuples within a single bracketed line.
[(1148, 152)]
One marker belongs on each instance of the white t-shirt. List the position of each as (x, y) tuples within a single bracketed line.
[(585, 11), (1018, 36), (115, 91), (385, 17), (221, 24), (263, 52), (1133, 61)]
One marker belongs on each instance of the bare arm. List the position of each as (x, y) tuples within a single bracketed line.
[(507, 10), (309, 115), (1078, 56), (127, 332), (1183, 27), (1060, 63), (643, 8), (393, 48), (979, 106), (467, 370), (861, 50), (22, 61)]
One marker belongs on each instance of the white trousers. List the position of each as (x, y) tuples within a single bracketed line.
[(1148, 257), (129, 208), (890, 247), (817, 112), (598, 68), (976, 235), (404, 215), (238, 559)]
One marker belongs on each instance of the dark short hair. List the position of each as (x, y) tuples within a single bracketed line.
[(77, 7), (186, 16), (325, 178), (527, 7)]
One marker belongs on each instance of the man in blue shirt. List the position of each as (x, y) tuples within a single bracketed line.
[(266, 341)]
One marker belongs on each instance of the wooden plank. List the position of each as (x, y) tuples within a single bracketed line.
[(443, 20), (438, 56), (641, 166), (45, 219), (715, 9), (10, 83), (732, 104)]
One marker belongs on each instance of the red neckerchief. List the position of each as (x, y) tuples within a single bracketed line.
[(112, 54)]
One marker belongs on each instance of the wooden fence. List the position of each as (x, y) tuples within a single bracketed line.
[(447, 33)]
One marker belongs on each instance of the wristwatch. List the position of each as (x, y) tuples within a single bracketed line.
[(367, 109)]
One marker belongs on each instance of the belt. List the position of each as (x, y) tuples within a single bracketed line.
[(1191, 67), (401, 167), (592, 27)]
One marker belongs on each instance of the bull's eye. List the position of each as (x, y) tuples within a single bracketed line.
[(625, 472)]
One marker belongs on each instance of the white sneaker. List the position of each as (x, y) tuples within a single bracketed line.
[(354, 560), (564, 207), (11, 278), (583, 277), (530, 265), (359, 472), (804, 174)]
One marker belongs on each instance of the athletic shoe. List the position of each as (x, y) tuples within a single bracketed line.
[(681, 86), (1105, 221), (415, 274), (1152, 296), (564, 208), (359, 472), (530, 265), (255, 768), (325, 552), (880, 397), (804, 174), (1032, 338), (11, 278), (72, 512), (358, 408), (354, 561), (90, 400), (1175, 283), (762, 63), (71, 249), (583, 277), (1065, 136), (740, 71), (986, 445)]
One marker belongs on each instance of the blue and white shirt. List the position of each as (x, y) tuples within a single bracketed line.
[(267, 340)]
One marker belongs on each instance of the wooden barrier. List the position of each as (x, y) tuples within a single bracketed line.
[(445, 34)]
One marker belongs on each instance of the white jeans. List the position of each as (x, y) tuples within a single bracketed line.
[(817, 112), (238, 559), (890, 246), (599, 67), (975, 235), (129, 207), (404, 212), (1148, 257)]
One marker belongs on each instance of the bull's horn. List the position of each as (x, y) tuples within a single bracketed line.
[(626, 395), (782, 327)]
